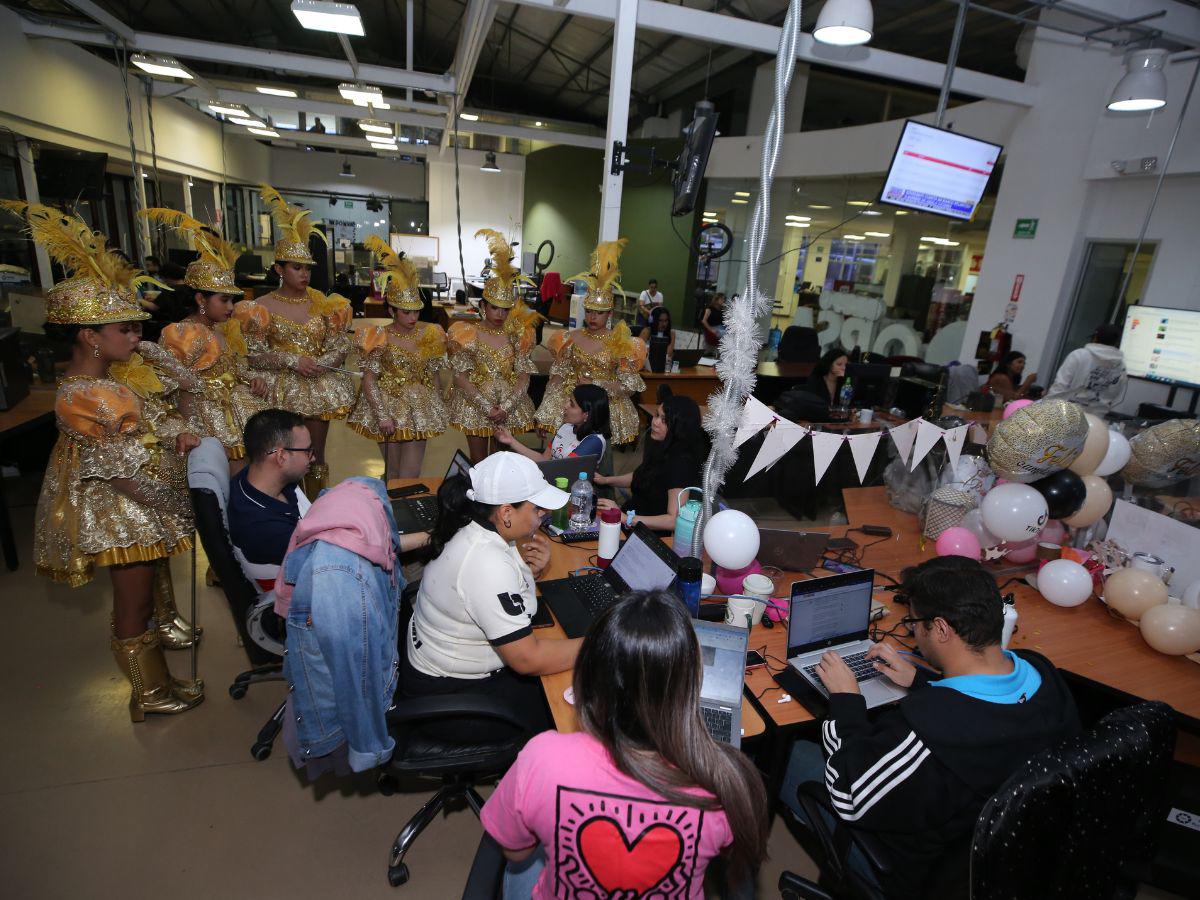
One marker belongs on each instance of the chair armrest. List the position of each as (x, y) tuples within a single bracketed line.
[(487, 871), (814, 800), (445, 706)]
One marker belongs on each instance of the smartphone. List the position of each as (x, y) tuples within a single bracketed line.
[(755, 660)]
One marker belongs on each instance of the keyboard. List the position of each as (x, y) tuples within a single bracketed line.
[(425, 509), (719, 723), (594, 592), (574, 537), (863, 668)]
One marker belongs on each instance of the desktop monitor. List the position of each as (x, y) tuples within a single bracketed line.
[(938, 171), (870, 382), (1161, 344)]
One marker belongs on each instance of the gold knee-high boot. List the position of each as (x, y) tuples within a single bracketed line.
[(316, 480), (174, 631), (154, 691)]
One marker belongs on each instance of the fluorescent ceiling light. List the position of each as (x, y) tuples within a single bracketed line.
[(872, 212), (1144, 86), (405, 139), (845, 23), (166, 66), (265, 132), (248, 121), (489, 163), (854, 237), (468, 117), (381, 139), (376, 126), (228, 109), (902, 212), (858, 202), (819, 206), (741, 193), (877, 233), (319, 15), (794, 218), (738, 200), (361, 94), (275, 92), (798, 224), (709, 215), (537, 124)]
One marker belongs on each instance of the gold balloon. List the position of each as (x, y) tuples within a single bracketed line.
[(1164, 454), (1094, 447), (1095, 505), (1037, 440), (1172, 629), (1130, 592)]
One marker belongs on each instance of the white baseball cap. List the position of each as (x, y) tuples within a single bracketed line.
[(512, 478)]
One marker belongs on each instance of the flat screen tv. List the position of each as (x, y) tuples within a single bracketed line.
[(939, 172), (1162, 345), (66, 177)]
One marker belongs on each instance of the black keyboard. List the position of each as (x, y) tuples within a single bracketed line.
[(425, 509), (719, 723), (863, 668), (574, 537), (594, 592)]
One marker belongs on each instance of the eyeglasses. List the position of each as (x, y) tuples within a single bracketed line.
[(309, 451), (907, 622)]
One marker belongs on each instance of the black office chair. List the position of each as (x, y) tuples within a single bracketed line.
[(799, 345), (1078, 820), (441, 283)]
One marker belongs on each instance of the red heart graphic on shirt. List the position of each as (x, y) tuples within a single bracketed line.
[(618, 865)]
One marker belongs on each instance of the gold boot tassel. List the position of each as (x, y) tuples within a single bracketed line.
[(316, 480), (141, 661), (174, 631)]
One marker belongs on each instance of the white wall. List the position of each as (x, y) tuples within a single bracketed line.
[(489, 200), (316, 171)]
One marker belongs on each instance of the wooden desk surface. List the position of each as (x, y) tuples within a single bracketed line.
[(38, 405), (1085, 640)]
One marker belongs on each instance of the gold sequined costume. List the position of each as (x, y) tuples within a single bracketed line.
[(405, 387), (495, 376), (275, 344)]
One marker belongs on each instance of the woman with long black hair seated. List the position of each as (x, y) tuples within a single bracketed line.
[(826, 377), (673, 460), (470, 629), (585, 429)]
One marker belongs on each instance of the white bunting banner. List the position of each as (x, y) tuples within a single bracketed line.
[(756, 416), (779, 440), (825, 447), (955, 438), (903, 437), (928, 436), (863, 447)]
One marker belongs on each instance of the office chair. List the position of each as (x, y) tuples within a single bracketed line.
[(485, 881), (799, 345), (1078, 820), (441, 284)]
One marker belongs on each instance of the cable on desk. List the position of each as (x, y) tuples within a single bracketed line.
[(766, 691)]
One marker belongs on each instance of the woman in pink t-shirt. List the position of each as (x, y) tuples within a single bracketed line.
[(638, 801)]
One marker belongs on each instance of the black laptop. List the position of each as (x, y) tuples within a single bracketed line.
[(421, 513), (644, 563)]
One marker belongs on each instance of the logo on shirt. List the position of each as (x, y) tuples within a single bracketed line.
[(511, 603)]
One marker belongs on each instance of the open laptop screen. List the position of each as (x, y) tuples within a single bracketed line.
[(459, 465), (724, 658), (640, 567), (830, 611)]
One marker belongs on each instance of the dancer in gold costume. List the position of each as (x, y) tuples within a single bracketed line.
[(111, 495), (595, 355), (400, 403), (491, 359), (301, 336)]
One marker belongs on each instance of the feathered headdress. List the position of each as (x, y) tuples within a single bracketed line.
[(503, 286), (213, 271), (604, 276), (100, 283), (401, 281), (296, 225)]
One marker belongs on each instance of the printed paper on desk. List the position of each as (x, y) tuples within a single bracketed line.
[(756, 416), (1134, 528), (903, 436), (928, 436), (779, 440), (825, 447), (862, 446)]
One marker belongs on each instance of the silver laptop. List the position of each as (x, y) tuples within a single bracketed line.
[(796, 551), (723, 652), (834, 613)]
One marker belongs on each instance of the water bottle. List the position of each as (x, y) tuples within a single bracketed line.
[(610, 537), (687, 584), (583, 499), (685, 522), (845, 395)]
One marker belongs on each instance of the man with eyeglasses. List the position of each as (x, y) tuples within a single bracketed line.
[(265, 498), (918, 775)]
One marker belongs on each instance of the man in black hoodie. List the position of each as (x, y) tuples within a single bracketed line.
[(918, 776)]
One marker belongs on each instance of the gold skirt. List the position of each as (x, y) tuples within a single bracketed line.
[(417, 410), (225, 417), (467, 418), (623, 415), (327, 396)]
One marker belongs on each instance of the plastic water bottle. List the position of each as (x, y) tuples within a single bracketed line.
[(685, 522), (845, 395), (583, 499), (559, 519), (610, 537)]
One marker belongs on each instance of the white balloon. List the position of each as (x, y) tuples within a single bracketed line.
[(1116, 456), (1064, 582), (731, 539), (973, 522), (1014, 512)]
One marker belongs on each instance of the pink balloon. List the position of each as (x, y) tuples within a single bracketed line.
[(958, 542), (1055, 531), (1014, 406), (1024, 552)]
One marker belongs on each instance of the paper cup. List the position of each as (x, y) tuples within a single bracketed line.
[(865, 416), (762, 587), (708, 585), (740, 611)]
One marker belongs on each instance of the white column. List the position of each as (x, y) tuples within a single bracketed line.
[(141, 223), (620, 81), (219, 210), (187, 204), (30, 185)]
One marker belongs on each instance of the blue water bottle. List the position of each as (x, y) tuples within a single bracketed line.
[(685, 521), (687, 584)]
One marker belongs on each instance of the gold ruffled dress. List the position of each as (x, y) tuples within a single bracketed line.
[(618, 362), (495, 374), (276, 343), (83, 521), (221, 402), (405, 388)]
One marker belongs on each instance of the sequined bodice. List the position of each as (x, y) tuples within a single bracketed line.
[(307, 338), (493, 363), (596, 367), (403, 365)]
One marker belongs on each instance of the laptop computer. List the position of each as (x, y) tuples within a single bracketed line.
[(795, 551), (834, 613), (723, 652), (644, 563), (687, 357), (421, 513), (569, 468)]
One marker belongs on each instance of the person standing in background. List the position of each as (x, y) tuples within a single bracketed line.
[(1094, 375), (650, 299)]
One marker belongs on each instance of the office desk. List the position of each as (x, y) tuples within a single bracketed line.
[(699, 382), (35, 410)]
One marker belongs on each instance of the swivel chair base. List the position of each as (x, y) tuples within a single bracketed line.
[(454, 787)]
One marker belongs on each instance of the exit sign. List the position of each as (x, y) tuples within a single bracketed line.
[(350, 204), (1025, 228)]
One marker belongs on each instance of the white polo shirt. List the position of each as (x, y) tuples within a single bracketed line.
[(477, 595)]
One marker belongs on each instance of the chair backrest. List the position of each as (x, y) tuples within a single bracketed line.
[(1076, 815), (441, 280), (962, 381), (799, 344)]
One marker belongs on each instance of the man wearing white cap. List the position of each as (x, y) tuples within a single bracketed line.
[(470, 630)]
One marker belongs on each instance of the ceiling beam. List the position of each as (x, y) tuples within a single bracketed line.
[(335, 141), (532, 67), (477, 22), (306, 105), (108, 22)]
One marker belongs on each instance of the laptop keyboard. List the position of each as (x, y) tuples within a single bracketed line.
[(719, 723), (863, 668), (594, 592), (425, 509)]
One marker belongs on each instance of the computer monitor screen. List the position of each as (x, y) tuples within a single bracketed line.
[(1162, 344), (65, 177), (870, 383), (829, 610), (938, 171)]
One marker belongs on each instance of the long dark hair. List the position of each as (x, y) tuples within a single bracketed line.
[(685, 435), (825, 364), (593, 400), (457, 510), (1002, 367), (656, 315), (637, 691)]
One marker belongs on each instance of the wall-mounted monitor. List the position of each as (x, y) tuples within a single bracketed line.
[(939, 172), (1163, 344)]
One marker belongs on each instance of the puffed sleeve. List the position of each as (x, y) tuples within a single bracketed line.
[(523, 360), (432, 344), (561, 345), (371, 342), (192, 344), (106, 419), (174, 373), (255, 320), (338, 313), (460, 341)]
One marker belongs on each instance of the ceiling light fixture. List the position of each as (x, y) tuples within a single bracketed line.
[(468, 117), (795, 218), (798, 224), (537, 124), (489, 163), (739, 200), (248, 121), (227, 109), (819, 206), (854, 237), (164, 66), (346, 172), (711, 215), (361, 94), (275, 92), (1143, 86), (741, 193), (375, 125), (845, 23), (872, 212), (902, 212), (858, 202), (319, 15), (877, 233), (265, 132)]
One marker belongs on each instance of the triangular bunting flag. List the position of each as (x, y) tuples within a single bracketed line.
[(825, 447), (779, 440), (954, 439), (863, 447), (903, 436), (756, 415), (928, 435)]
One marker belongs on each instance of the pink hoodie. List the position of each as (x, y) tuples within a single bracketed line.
[(350, 516)]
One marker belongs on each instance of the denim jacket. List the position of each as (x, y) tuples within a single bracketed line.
[(341, 661)]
